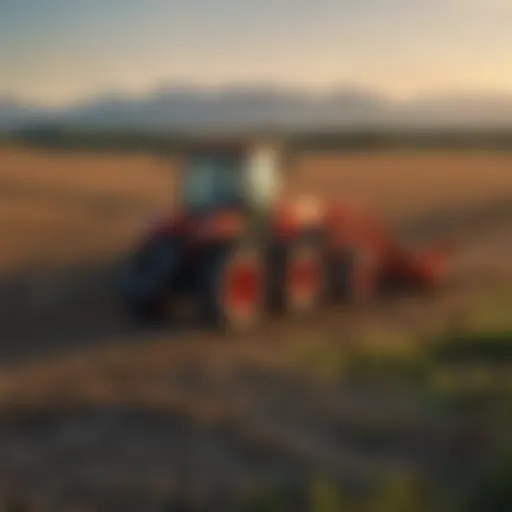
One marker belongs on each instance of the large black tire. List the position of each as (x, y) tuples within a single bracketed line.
[(355, 275), (276, 269), (146, 280), (216, 274)]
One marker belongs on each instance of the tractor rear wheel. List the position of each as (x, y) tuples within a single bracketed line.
[(232, 287), (304, 279)]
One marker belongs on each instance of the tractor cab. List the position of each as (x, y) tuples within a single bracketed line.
[(220, 177)]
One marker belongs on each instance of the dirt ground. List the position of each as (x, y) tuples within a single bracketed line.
[(97, 415)]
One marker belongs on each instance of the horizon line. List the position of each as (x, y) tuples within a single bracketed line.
[(195, 87)]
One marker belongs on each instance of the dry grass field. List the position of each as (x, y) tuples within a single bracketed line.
[(95, 415), (64, 207)]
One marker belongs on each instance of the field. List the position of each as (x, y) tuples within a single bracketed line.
[(48, 197), (98, 415)]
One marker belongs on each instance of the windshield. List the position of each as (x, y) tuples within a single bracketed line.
[(211, 181)]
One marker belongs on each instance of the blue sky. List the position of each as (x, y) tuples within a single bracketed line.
[(57, 51)]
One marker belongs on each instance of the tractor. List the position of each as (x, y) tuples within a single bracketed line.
[(241, 249)]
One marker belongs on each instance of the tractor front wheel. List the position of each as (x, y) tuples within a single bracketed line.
[(232, 287)]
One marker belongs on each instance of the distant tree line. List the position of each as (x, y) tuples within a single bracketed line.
[(58, 137), (70, 138), (394, 139)]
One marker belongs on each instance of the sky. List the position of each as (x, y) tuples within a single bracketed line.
[(63, 51)]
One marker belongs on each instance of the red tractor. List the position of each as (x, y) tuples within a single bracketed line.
[(240, 248)]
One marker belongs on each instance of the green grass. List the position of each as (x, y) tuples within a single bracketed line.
[(396, 493), (494, 489), (492, 312)]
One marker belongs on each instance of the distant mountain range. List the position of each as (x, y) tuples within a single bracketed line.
[(189, 109)]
